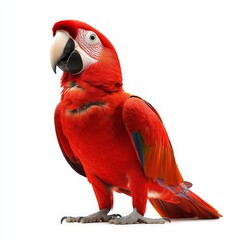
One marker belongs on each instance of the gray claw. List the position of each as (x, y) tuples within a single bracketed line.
[(69, 219), (136, 217), (63, 218), (166, 219), (115, 216), (100, 216)]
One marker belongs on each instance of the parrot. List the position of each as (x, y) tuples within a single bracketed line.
[(115, 139)]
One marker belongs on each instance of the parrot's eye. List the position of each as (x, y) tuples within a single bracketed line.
[(92, 38)]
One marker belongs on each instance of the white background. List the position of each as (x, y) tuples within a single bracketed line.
[(181, 56)]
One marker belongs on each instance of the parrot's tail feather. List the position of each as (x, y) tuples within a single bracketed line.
[(189, 206)]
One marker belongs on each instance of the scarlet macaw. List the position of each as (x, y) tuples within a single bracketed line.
[(115, 139)]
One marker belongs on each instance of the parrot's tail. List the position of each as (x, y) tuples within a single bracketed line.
[(189, 205)]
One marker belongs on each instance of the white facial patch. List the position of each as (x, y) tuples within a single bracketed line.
[(86, 59), (90, 43)]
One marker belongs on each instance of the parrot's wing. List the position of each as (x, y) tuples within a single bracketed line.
[(65, 147), (150, 141)]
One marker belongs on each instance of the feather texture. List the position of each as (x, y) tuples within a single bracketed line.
[(73, 161), (151, 141)]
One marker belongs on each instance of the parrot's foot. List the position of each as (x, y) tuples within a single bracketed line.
[(100, 216), (136, 217)]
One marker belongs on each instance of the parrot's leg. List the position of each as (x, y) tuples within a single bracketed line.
[(100, 216), (136, 217), (104, 197), (139, 200)]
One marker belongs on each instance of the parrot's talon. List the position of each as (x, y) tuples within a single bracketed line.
[(115, 216), (62, 219), (136, 217), (100, 216), (69, 219), (167, 219)]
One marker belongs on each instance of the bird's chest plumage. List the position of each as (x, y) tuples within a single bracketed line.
[(92, 122)]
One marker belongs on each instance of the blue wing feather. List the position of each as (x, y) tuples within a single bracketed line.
[(137, 142)]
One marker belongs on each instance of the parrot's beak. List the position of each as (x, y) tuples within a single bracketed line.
[(64, 55)]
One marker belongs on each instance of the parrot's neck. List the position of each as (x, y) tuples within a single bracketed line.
[(79, 96), (104, 75)]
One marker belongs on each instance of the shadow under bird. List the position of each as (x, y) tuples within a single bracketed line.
[(115, 139)]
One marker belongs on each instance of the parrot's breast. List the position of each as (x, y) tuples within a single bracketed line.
[(86, 107), (93, 125)]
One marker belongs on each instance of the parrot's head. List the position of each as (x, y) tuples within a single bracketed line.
[(83, 52)]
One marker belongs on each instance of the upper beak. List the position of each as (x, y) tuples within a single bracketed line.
[(64, 55), (57, 48)]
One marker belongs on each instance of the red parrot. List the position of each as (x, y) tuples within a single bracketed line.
[(115, 139)]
